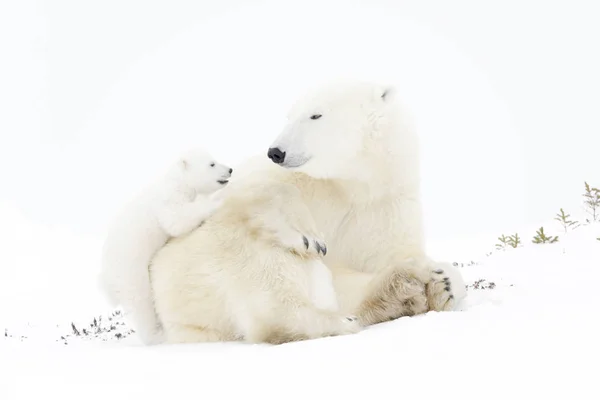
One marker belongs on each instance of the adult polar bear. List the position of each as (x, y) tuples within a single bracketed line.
[(352, 154)]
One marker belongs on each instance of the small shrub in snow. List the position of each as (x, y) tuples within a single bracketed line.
[(565, 221), (541, 237), (11, 336), (105, 329), (591, 202), (503, 242), (469, 264), (514, 241), (482, 284)]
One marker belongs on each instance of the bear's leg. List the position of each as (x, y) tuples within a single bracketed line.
[(412, 287), (293, 237), (143, 317), (288, 222), (316, 323), (303, 323), (391, 294), (133, 292)]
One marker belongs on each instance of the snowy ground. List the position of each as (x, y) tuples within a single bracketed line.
[(529, 327)]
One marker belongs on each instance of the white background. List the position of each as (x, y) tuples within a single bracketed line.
[(96, 95)]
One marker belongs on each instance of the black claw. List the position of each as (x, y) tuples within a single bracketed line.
[(446, 279), (318, 247), (451, 296), (447, 288), (305, 240), (439, 271), (321, 248)]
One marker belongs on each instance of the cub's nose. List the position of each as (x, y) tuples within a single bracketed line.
[(276, 155), (230, 171)]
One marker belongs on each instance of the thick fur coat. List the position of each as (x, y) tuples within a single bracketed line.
[(338, 194), (174, 205)]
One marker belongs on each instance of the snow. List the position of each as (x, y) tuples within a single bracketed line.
[(533, 333), (95, 100)]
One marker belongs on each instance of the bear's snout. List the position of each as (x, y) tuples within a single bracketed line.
[(276, 155)]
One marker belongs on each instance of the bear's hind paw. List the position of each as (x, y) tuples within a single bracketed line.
[(440, 294)]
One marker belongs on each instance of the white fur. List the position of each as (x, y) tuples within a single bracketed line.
[(350, 180), (177, 203), (321, 291)]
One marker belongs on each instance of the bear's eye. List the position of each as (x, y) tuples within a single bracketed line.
[(315, 116), (212, 164)]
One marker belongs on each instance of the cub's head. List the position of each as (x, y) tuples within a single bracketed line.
[(200, 171), (346, 131)]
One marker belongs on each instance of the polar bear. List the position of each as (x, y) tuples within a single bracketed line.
[(174, 205), (344, 171), (239, 294)]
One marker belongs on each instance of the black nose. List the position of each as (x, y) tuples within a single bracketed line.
[(276, 155), (230, 170)]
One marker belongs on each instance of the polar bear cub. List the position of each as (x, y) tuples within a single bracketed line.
[(174, 205)]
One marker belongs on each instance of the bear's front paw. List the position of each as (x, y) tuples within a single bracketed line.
[(297, 237), (303, 243), (312, 245)]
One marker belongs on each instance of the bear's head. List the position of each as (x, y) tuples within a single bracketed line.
[(197, 169), (352, 131)]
